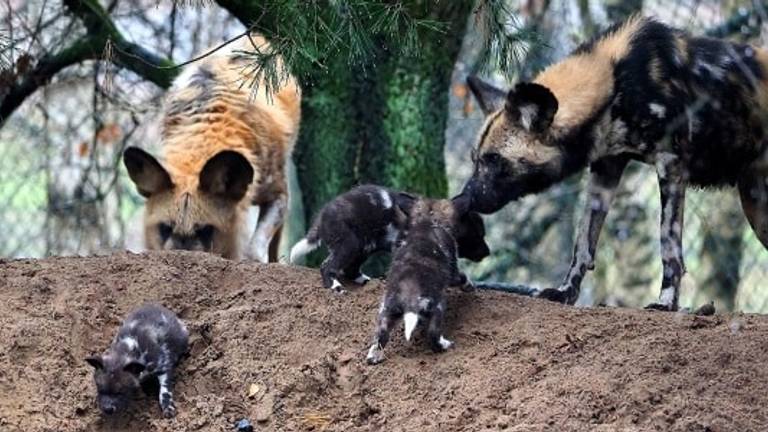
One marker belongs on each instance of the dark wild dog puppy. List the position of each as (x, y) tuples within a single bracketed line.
[(424, 264), (147, 347), (369, 219), (695, 108)]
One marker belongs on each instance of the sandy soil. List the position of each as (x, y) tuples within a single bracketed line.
[(272, 331)]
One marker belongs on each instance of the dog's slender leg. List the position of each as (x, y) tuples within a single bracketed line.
[(437, 341), (166, 394), (672, 186), (341, 254), (603, 181), (383, 328), (352, 271), (271, 219), (460, 279)]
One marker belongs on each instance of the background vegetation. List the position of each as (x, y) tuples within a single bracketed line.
[(384, 101)]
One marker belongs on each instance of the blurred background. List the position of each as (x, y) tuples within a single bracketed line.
[(385, 101)]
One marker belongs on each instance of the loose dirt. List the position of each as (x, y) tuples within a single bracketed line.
[(271, 345)]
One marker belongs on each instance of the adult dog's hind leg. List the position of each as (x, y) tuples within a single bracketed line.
[(753, 192), (672, 184)]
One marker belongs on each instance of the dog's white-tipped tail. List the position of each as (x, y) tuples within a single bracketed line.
[(410, 320), (302, 248)]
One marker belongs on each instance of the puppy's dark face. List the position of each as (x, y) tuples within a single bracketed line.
[(466, 227), (117, 380), (470, 237)]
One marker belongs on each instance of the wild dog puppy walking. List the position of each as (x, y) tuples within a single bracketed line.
[(368, 219), (147, 347), (224, 150), (424, 264), (695, 108)]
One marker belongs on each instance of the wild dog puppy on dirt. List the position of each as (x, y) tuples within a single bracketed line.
[(147, 347), (695, 108), (224, 150), (369, 219), (424, 264)]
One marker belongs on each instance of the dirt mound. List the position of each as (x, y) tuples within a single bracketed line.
[(273, 331)]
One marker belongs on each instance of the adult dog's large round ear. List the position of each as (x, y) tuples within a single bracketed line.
[(226, 175), (489, 97), (532, 105), (462, 203), (146, 172)]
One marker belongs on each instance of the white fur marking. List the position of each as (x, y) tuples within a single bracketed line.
[(130, 342), (667, 296), (445, 343), (386, 201), (658, 110), (527, 115), (410, 320), (336, 286), (302, 248), (363, 278), (423, 304), (392, 233), (374, 354)]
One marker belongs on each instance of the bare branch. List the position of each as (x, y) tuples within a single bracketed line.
[(154, 68), (101, 31)]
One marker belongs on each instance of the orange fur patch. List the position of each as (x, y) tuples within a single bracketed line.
[(220, 112), (583, 83)]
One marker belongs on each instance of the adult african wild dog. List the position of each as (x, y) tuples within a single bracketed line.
[(693, 107), (224, 149)]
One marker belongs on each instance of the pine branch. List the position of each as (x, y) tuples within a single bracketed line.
[(311, 36), (505, 40)]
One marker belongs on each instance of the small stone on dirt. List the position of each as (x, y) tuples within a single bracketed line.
[(244, 425), (706, 309), (253, 390)]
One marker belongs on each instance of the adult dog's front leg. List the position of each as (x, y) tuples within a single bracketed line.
[(603, 181), (271, 219), (672, 186)]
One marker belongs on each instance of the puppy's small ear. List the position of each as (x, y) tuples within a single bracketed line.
[(134, 367), (462, 203), (95, 361), (405, 202)]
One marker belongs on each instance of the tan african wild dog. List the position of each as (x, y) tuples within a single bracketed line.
[(224, 149), (693, 107)]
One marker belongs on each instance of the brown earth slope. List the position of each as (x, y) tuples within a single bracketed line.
[(519, 364)]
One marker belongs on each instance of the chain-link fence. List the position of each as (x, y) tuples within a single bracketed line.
[(63, 188)]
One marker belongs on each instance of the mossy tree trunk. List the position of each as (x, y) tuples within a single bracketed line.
[(384, 123)]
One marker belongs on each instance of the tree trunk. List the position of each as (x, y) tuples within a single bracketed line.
[(381, 124)]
